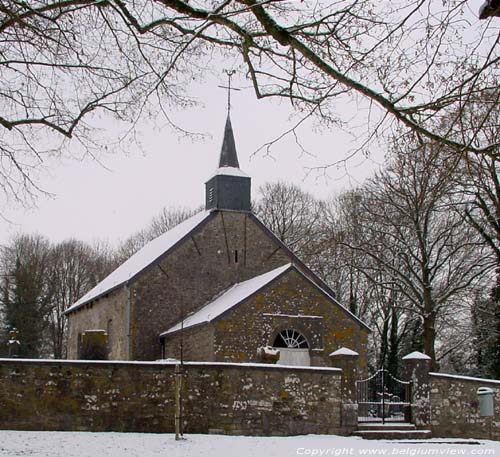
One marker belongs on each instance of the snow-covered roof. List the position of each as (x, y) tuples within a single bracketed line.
[(229, 171), (142, 259), (236, 294), (343, 351), (416, 355)]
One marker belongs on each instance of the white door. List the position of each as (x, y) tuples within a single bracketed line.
[(295, 357)]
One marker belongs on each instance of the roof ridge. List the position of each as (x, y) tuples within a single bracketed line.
[(206, 314), (142, 259)]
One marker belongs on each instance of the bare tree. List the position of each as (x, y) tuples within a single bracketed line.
[(478, 200), (292, 214), (416, 237), (359, 281), (65, 63), (161, 223), (75, 267), (39, 281)]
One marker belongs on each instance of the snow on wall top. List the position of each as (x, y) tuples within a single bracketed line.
[(465, 378), (416, 355), (228, 299), (141, 259)]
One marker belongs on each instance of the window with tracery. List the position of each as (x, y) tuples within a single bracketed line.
[(290, 339)]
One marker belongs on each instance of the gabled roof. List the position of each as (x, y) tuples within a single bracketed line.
[(159, 247), (240, 292), (312, 276), (229, 299), (142, 259)]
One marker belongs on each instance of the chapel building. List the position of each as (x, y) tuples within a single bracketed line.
[(217, 287)]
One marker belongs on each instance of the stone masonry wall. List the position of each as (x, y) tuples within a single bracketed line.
[(229, 248), (139, 396), (97, 315), (455, 409), (291, 302), (197, 343)]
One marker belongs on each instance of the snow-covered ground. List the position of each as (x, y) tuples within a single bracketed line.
[(83, 444)]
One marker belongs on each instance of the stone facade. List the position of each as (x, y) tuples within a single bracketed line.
[(109, 313), (139, 397), (196, 271), (184, 273), (232, 398), (454, 407), (227, 248), (291, 301)]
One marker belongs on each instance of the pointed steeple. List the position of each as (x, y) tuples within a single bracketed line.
[(229, 187), (228, 155)]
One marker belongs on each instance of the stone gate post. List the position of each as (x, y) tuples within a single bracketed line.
[(417, 366), (347, 360)]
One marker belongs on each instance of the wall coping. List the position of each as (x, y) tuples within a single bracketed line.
[(160, 363), (464, 378)]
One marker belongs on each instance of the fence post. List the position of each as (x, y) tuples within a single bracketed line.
[(417, 367), (347, 360)]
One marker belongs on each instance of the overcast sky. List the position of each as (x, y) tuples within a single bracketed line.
[(112, 200)]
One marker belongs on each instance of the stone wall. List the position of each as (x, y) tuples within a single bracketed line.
[(138, 396), (291, 302), (108, 313), (454, 407), (197, 344), (228, 247), (195, 271)]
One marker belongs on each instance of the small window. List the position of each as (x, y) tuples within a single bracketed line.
[(211, 195), (290, 339), (236, 256)]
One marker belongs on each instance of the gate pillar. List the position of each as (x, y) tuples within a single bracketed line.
[(347, 360), (417, 367)]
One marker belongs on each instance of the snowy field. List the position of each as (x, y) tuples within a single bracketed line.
[(82, 444)]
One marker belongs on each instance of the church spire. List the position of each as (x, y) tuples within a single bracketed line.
[(228, 155), (229, 187)]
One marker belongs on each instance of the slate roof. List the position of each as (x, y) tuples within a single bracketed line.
[(228, 156), (160, 246), (230, 298), (240, 292), (142, 259)]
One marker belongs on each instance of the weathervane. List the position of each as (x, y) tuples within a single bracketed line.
[(229, 74)]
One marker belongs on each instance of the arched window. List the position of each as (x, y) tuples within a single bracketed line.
[(290, 339)]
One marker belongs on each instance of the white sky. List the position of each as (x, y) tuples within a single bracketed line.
[(111, 202), (95, 202)]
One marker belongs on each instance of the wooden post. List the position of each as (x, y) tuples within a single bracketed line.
[(178, 411)]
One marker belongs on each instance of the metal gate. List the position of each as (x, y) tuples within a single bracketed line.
[(383, 398)]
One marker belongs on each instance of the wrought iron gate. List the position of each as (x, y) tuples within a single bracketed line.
[(383, 398)]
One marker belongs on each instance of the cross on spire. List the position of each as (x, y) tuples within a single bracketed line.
[(229, 74)]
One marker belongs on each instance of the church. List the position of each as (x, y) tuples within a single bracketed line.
[(217, 287)]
